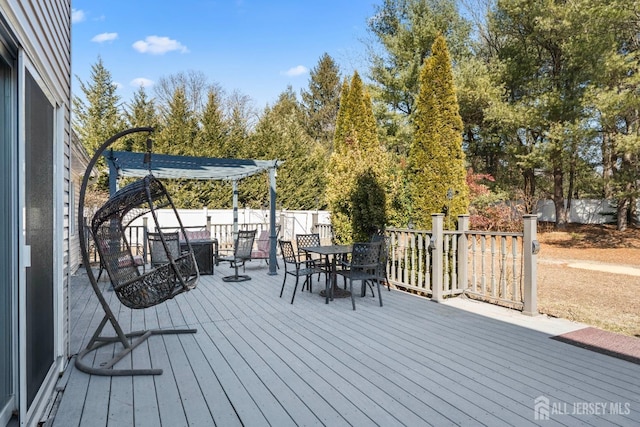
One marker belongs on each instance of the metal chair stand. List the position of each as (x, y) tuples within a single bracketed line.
[(241, 254)]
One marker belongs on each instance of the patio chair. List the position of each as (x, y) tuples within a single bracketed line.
[(134, 289), (295, 265), (308, 240), (241, 254), (138, 261), (160, 253), (384, 256), (364, 267), (263, 246)]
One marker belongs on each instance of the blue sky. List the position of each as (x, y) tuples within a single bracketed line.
[(255, 47)]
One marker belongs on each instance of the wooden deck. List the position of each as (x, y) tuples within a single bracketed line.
[(257, 360)]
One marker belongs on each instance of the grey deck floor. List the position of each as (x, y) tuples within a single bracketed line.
[(257, 360)]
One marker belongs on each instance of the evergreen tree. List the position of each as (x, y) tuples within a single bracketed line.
[(178, 137), (280, 134), (214, 128), (211, 142), (99, 117), (357, 154), (240, 119), (406, 30), (322, 100), (140, 113), (437, 162)]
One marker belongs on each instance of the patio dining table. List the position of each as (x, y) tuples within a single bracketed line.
[(331, 253)]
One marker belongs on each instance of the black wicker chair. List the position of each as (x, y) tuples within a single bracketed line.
[(134, 289)]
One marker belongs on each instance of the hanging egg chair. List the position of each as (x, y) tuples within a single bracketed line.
[(134, 288)]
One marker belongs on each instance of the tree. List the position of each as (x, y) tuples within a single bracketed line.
[(552, 54), (99, 117), (406, 30), (280, 134), (177, 137), (437, 162), (357, 153), (241, 117), (322, 100), (140, 113), (210, 142), (194, 84)]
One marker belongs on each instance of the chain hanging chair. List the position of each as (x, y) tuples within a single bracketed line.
[(134, 289)]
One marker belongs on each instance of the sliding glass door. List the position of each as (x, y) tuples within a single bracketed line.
[(39, 217)]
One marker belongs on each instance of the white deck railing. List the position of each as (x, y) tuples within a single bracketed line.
[(497, 267)]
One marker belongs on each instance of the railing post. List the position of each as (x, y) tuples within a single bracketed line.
[(463, 252), (531, 247), (437, 239)]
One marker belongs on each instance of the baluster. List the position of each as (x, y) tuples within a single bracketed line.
[(474, 276), (445, 260), (494, 287), (413, 259), (427, 265), (405, 272), (420, 277), (483, 274), (503, 266), (514, 251), (393, 275), (454, 264)]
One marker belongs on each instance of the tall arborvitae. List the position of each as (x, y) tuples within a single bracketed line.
[(98, 117), (437, 162), (322, 100), (357, 161)]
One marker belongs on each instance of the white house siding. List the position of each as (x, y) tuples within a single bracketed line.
[(41, 31)]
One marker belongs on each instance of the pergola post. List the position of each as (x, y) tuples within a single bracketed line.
[(272, 222), (235, 208)]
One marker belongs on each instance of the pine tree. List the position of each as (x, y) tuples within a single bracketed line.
[(357, 156), (213, 129), (99, 117), (177, 137), (322, 100), (140, 113), (437, 162)]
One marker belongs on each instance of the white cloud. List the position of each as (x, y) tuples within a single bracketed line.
[(141, 81), (105, 37), (77, 16), (296, 71), (159, 45)]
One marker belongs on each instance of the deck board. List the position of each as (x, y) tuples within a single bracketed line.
[(258, 360)]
